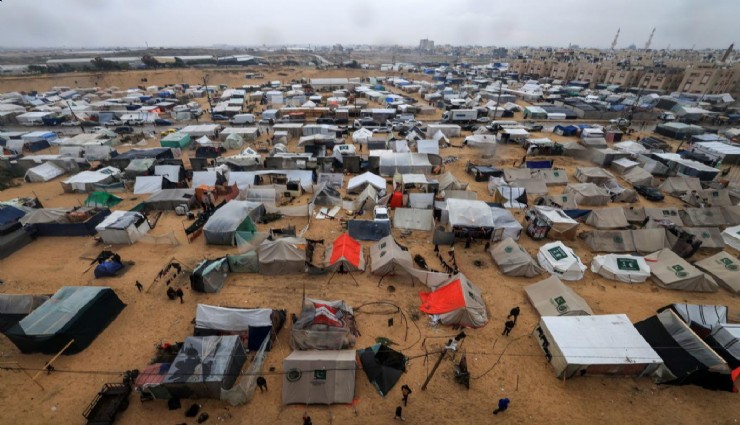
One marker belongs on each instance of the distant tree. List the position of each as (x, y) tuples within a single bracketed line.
[(150, 61)]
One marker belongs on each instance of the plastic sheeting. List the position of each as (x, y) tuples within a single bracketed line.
[(147, 184), (467, 213), (44, 172), (623, 268), (561, 261)]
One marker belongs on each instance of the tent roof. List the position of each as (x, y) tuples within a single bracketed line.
[(458, 302), (513, 260), (366, 178), (724, 268), (607, 218), (469, 213), (673, 272), (347, 249), (551, 297)]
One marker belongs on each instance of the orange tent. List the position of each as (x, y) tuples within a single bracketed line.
[(457, 302), (345, 254)]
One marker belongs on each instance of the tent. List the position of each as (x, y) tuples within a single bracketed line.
[(169, 199), (79, 221), (449, 181), (108, 269), (643, 241), (607, 218), (102, 200), (664, 214), (708, 197), (209, 275), (13, 308), (702, 217), (724, 268), (319, 377), (326, 195), (551, 177), (413, 218), (678, 186), (595, 345), (551, 297), (457, 303), (687, 359), (587, 194), (205, 366), (358, 183), (44, 172), (387, 257), (700, 318), (122, 228), (176, 140), (148, 184), (233, 217), (731, 236), (383, 366), (504, 220), (368, 230), (710, 237), (559, 223), (86, 181), (282, 256), (247, 262), (251, 324), (345, 255), (724, 341), (464, 213), (513, 260), (639, 176), (595, 175), (732, 215), (511, 196), (621, 267), (561, 261), (673, 272), (76, 313), (323, 325)]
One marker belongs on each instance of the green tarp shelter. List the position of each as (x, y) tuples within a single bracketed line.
[(102, 200)]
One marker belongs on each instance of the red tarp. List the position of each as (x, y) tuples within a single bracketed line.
[(396, 200), (346, 248), (443, 300)]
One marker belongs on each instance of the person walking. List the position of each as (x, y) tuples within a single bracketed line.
[(503, 404), (406, 391), (307, 419), (180, 294), (508, 326), (514, 313), (139, 286), (262, 383)]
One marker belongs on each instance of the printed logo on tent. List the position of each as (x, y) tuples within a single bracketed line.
[(557, 253), (628, 264), (560, 305), (678, 270), (556, 173), (618, 239), (705, 235), (319, 375), (708, 213), (729, 264), (293, 375), (508, 249)]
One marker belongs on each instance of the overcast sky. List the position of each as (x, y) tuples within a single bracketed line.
[(592, 23)]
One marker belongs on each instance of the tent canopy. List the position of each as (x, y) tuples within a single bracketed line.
[(458, 302), (673, 272), (607, 218), (383, 366), (319, 377), (513, 260), (282, 256), (621, 267), (551, 297), (345, 254), (724, 268), (561, 261)]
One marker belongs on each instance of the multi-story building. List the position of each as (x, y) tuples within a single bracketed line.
[(426, 45), (711, 79)]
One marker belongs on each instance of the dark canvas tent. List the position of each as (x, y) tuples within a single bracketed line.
[(551, 297), (169, 199), (65, 221), (687, 359), (319, 377), (383, 366), (205, 366), (513, 260), (282, 256), (700, 318), (724, 268), (76, 313), (710, 237), (725, 341), (13, 308), (244, 263), (457, 303), (643, 241), (209, 275), (12, 234), (326, 195), (368, 230)]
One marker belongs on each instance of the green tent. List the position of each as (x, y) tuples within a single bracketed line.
[(102, 200), (243, 263), (175, 140)]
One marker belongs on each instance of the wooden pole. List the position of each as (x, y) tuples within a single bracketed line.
[(54, 358), (434, 369)]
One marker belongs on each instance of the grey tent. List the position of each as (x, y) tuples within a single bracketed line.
[(732, 215), (710, 237), (513, 260), (210, 275), (664, 214), (551, 177), (413, 218), (505, 225), (639, 176), (587, 194), (387, 257), (532, 185), (205, 366), (596, 175), (678, 186), (607, 218), (635, 215), (229, 219), (673, 272), (449, 181), (708, 197), (319, 377), (282, 256), (724, 268), (244, 263), (326, 195), (642, 241), (323, 325), (703, 217), (13, 308), (169, 199), (551, 297)]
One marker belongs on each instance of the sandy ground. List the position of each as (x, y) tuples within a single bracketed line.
[(512, 367)]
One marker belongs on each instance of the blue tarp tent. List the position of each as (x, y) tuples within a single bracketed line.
[(107, 269)]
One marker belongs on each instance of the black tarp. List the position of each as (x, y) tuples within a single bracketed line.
[(366, 230), (78, 313), (383, 366), (13, 308)]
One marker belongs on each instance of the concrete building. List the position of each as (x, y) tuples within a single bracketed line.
[(426, 45), (711, 79)]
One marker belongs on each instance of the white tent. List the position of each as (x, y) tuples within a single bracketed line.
[(147, 184), (207, 178), (621, 267), (561, 261), (504, 219), (122, 228), (44, 172), (358, 183), (362, 135), (170, 172), (731, 236)]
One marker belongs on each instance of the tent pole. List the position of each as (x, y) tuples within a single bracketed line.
[(434, 369), (53, 358), (353, 278)]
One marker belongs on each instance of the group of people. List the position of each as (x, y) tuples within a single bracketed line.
[(511, 321), (406, 392), (448, 269)]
